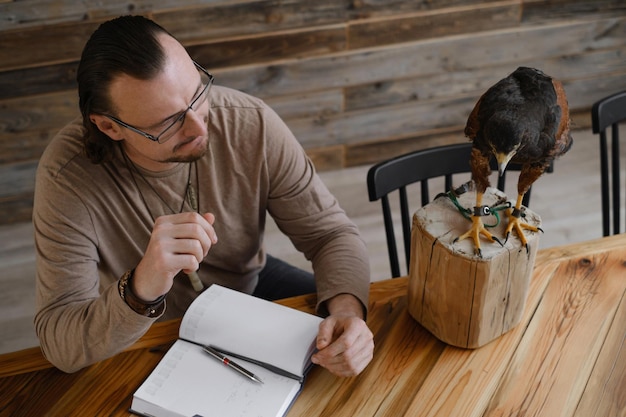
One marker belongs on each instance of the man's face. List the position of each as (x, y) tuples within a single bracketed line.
[(152, 105)]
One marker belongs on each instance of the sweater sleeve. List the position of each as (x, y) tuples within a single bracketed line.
[(78, 322), (306, 211)]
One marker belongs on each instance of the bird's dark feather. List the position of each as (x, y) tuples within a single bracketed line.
[(528, 110)]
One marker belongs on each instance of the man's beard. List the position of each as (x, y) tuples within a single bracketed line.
[(192, 157)]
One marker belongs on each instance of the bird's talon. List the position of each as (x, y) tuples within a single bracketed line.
[(540, 229), (495, 239)]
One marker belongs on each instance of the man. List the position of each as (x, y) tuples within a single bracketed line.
[(133, 196)]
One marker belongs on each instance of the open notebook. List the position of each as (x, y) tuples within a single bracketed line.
[(272, 341)]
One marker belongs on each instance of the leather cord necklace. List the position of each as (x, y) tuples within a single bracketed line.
[(190, 194)]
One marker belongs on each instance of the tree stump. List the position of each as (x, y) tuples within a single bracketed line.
[(463, 299)]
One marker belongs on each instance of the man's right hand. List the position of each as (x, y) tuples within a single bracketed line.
[(178, 242)]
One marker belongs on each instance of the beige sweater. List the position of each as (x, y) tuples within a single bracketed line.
[(93, 222)]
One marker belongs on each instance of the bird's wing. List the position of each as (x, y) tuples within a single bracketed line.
[(473, 123), (563, 139)]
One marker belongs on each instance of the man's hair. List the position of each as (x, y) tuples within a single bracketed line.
[(125, 45)]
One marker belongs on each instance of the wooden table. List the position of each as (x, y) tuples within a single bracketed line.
[(566, 358)]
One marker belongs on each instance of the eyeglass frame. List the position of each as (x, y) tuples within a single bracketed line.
[(180, 118)]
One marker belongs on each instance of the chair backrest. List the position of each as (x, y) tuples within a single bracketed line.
[(605, 113), (419, 166)]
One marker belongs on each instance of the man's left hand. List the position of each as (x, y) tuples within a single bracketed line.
[(345, 344)]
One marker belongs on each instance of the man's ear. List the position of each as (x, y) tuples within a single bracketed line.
[(107, 126)]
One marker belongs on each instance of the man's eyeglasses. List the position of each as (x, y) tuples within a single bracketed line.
[(179, 120)]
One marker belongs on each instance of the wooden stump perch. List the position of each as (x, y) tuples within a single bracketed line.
[(462, 299)]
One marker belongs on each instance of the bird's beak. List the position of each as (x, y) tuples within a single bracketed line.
[(503, 160)]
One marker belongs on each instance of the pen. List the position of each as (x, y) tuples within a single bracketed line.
[(265, 365), (222, 358), (195, 281)]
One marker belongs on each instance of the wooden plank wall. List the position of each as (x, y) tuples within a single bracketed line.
[(356, 80)]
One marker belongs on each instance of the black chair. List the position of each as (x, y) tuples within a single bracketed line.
[(609, 112), (419, 166)]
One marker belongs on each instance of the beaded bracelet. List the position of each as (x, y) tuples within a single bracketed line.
[(152, 309)]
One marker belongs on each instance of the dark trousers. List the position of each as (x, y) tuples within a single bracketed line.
[(281, 280)]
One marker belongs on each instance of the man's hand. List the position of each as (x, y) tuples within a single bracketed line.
[(178, 242), (345, 344)]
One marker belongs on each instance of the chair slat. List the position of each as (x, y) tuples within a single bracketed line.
[(418, 167), (609, 112)]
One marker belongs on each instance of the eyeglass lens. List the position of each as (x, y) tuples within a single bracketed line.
[(195, 105)]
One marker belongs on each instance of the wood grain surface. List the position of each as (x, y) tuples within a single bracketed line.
[(565, 358), (406, 72)]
